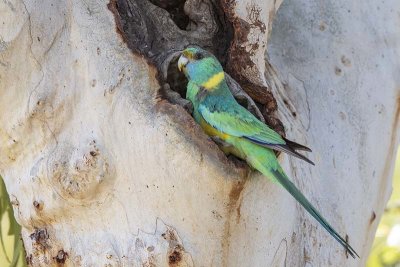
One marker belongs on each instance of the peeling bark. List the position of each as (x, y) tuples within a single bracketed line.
[(105, 166)]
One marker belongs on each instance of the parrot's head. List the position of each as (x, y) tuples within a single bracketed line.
[(200, 67)]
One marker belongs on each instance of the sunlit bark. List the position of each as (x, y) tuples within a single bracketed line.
[(101, 171)]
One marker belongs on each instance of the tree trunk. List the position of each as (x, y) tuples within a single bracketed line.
[(105, 166)]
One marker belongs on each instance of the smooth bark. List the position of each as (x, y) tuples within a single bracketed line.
[(100, 171)]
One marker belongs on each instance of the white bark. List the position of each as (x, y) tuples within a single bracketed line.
[(101, 170)]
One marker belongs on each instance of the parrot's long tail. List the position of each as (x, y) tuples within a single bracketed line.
[(280, 176)]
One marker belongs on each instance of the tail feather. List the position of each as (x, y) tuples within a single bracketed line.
[(296, 146), (292, 189), (290, 148), (290, 151)]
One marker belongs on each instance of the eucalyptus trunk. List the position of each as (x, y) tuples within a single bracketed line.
[(105, 166)]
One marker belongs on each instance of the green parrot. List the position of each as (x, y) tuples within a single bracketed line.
[(239, 131)]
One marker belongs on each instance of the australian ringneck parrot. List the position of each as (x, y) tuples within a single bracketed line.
[(242, 134)]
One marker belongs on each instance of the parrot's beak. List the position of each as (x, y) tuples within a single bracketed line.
[(182, 62)]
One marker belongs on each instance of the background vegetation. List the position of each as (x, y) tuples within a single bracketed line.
[(11, 249), (386, 248)]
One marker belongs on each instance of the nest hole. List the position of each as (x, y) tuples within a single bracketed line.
[(159, 29), (175, 8), (176, 79)]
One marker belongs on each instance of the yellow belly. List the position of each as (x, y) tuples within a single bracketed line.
[(211, 131), (228, 147)]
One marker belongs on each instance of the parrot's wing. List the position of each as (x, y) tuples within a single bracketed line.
[(235, 120)]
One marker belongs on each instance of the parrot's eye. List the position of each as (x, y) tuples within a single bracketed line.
[(198, 55)]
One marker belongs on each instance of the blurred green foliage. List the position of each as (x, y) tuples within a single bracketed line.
[(12, 252), (386, 248)]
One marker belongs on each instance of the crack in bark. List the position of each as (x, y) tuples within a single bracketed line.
[(307, 128), (235, 202), (33, 56), (276, 252), (55, 38)]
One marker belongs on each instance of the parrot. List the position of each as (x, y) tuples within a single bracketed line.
[(238, 131)]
